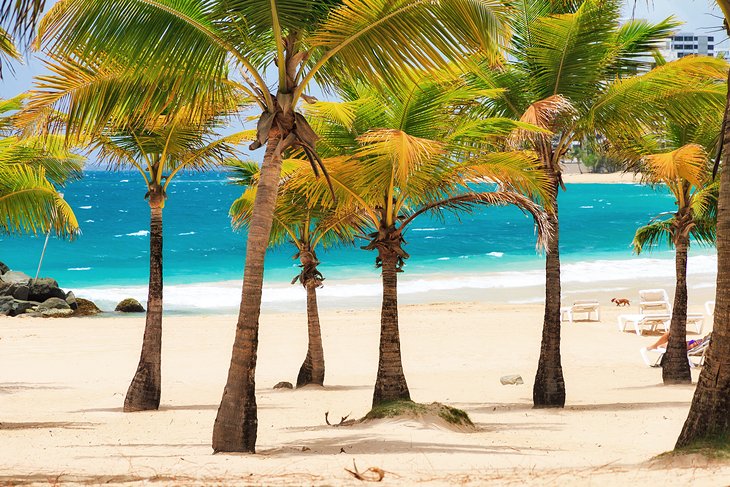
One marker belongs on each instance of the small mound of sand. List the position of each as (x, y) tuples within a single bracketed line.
[(434, 415)]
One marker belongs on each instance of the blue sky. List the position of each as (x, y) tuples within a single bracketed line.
[(699, 16)]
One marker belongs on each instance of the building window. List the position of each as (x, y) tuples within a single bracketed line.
[(711, 39)]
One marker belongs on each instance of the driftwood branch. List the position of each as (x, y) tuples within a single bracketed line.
[(343, 421), (373, 474)]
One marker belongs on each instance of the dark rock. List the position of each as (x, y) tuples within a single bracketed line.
[(6, 305), (71, 300), (84, 307), (284, 385), (15, 277), (43, 289), (20, 292), (52, 303), (4, 268), (129, 305), (20, 307)]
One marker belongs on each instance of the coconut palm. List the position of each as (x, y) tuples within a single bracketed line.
[(307, 226), (159, 153), (575, 70), (405, 152), (31, 169), (687, 172), (293, 41), (710, 410)]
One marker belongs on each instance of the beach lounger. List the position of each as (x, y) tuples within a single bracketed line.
[(641, 321), (655, 310), (567, 313), (695, 357)]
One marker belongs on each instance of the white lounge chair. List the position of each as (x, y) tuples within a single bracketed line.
[(567, 313), (655, 309), (653, 357)]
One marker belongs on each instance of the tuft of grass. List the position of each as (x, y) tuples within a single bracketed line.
[(396, 409), (713, 447)]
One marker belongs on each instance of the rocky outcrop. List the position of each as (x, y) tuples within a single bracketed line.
[(129, 305), (71, 300), (15, 277), (84, 307), (43, 289), (20, 295)]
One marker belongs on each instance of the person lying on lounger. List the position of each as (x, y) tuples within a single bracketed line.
[(691, 344)]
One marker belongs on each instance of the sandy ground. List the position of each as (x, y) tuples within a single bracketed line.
[(62, 384)]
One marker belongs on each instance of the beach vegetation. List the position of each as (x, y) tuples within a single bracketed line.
[(710, 409), (686, 170), (158, 153), (410, 409), (273, 51), (574, 70), (402, 152), (308, 226), (31, 171)]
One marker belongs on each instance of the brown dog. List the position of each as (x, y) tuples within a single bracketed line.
[(621, 301)]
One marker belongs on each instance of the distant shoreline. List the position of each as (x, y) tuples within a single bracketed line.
[(600, 178)]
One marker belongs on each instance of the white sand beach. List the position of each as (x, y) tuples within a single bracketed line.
[(62, 384)]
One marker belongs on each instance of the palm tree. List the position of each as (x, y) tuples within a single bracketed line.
[(307, 226), (202, 42), (159, 153), (708, 415), (687, 172), (8, 51), (575, 71), (408, 151), (31, 169)]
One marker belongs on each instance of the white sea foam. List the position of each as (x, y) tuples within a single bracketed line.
[(586, 207), (496, 254), (587, 276), (187, 233), (85, 207), (444, 258), (88, 221), (427, 229), (79, 269), (140, 233), (124, 180)]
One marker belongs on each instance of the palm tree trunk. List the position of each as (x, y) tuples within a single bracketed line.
[(390, 384), (236, 423), (675, 367), (312, 370), (549, 388), (709, 416), (144, 391)]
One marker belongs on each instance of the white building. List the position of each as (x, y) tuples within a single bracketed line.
[(683, 44)]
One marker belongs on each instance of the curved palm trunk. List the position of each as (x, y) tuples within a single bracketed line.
[(144, 391), (549, 388), (675, 367), (236, 423), (390, 384), (709, 416), (312, 370)]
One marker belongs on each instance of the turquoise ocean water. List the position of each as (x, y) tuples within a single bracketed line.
[(493, 247)]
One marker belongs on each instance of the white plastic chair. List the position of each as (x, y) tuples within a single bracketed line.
[(587, 306)]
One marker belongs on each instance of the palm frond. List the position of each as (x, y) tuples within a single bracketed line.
[(31, 204), (653, 234)]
